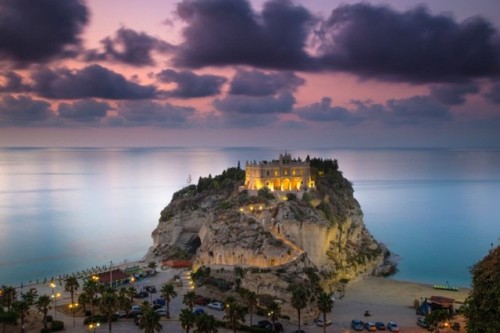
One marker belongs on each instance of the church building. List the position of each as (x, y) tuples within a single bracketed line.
[(286, 174)]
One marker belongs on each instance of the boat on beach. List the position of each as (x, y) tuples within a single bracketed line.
[(445, 287)]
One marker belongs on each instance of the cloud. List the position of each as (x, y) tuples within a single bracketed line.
[(84, 110), (130, 47), (258, 83), (282, 103), (324, 111), (494, 94), (229, 32), (139, 113), (91, 81), (415, 111), (13, 82), (23, 110), (453, 93), (38, 31), (416, 46), (191, 85), (252, 111)]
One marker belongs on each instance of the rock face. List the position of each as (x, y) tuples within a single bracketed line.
[(217, 223)]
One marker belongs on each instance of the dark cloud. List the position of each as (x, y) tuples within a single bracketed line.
[(416, 110), (378, 42), (130, 47), (37, 31), (13, 82), (232, 104), (324, 111), (191, 85), (140, 113), (84, 110), (253, 111), (494, 94), (228, 32), (23, 110), (91, 81), (257, 83), (453, 93)]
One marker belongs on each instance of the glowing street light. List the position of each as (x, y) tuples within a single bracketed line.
[(93, 326), (54, 298), (72, 307)]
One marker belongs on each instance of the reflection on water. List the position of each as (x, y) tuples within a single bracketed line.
[(62, 210)]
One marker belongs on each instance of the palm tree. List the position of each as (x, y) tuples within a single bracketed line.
[(150, 320), (274, 312), (108, 305), (250, 298), (205, 324), (71, 285), (299, 298), (43, 305), (234, 312), (9, 296), (131, 291), (325, 305), (189, 299), (90, 289), (168, 292), (22, 306), (187, 319)]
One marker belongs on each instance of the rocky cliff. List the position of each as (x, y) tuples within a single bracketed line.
[(216, 222)]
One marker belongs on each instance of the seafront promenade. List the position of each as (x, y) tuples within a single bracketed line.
[(386, 299)]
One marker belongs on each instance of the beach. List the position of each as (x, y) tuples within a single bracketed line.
[(386, 300)]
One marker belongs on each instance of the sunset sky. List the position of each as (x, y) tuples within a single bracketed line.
[(311, 73)]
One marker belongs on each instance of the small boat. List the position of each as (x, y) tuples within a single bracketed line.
[(445, 287)]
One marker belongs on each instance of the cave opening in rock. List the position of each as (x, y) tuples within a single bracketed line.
[(193, 245)]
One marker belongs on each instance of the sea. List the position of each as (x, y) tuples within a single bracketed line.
[(63, 210)]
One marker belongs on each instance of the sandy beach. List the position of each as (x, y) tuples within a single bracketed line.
[(386, 299)]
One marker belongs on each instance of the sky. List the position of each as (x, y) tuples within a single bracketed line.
[(308, 73)]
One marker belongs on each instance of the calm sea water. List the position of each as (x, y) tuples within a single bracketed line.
[(63, 210)]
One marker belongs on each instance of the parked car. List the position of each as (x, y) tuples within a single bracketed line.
[(136, 308), (198, 311), (161, 311), (160, 301), (357, 325), (142, 294), (320, 322), (370, 326), (380, 326), (216, 306), (200, 300), (266, 324), (422, 322), (392, 326), (121, 313), (156, 306), (150, 289)]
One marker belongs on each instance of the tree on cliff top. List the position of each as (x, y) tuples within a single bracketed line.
[(483, 305)]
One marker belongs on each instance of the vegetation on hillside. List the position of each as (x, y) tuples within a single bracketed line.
[(483, 305)]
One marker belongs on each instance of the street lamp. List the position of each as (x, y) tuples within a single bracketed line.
[(72, 307), (54, 298)]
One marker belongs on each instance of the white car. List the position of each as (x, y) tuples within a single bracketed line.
[(216, 306), (161, 311)]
